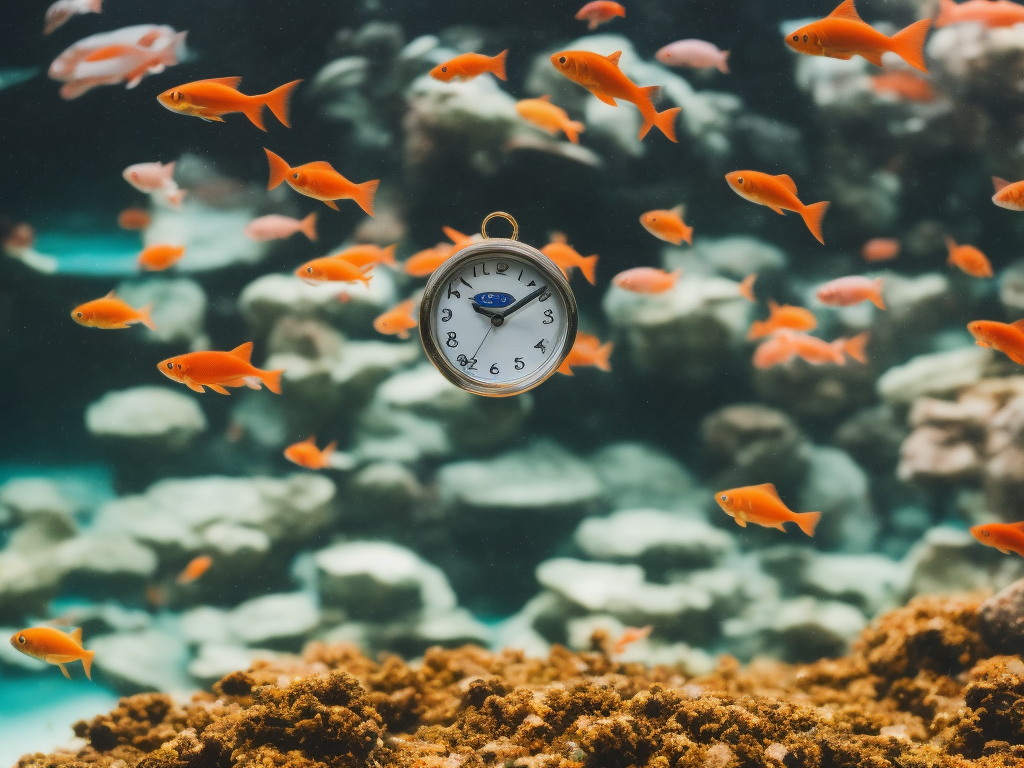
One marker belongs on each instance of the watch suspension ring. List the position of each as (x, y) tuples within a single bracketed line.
[(500, 215)]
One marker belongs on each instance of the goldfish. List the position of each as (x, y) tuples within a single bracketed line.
[(968, 258), (58, 14), (1009, 194), (134, 219), (274, 227), (307, 455), (786, 344), (746, 288), (1007, 338), (629, 636), (602, 77), (111, 312), (988, 13), (779, 194), (782, 317), (1006, 537), (698, 54), (331, 269), (668, 225), (363, 255), (155, 177), (587, 350), (321, 182), (599, 12), (470, 65), (843, 35), (847, 291), (196, 567), (398, 320), (54, 647), (646, 280), (423, 263), (211, 99), (566, 257), (549, 117), (880, 249), (904, 85), (218, 370), (761, 505), (157, 258)]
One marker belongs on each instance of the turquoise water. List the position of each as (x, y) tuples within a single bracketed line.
[(110, 254)]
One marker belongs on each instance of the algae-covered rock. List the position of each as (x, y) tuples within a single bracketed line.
[(179, 308), (134, 662), (933, 375), (637, 475)]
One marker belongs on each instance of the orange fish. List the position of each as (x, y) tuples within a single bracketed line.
[(602, 77), (1009, 194), (218, 370), (367, 255), (847, 291), (780, 317), (1006, 537), (566, 257), (133, 219), (548, 117), (1007, 338), (157, 258), (321, 182), (307, 455), (600, 12), (968, 258), (54, 647), (843, 35), (746, 288), (881, 249), (668, 225), (196, 567), (470, 65), (786, 345), (423, 263), (988, 13), (904, 85), (587, 350), (398, 320), (109, 313), (211, 99), (779, 194), (332, 269), (276, 227), (458, 239), (629, 636), (646, 280), (761, 505)]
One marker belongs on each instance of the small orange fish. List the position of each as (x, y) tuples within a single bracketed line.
[(307, 455), (398, 320), (903, 85), (646, 280), (785, 345), (367, 255), (423, 263), (566, 257), (843, 35), (668, 225), (988, 13), (110, 313), (761, 505), (134, 219), (968, 258), (1007, 338), (629, 636), (1009, 194), (54, 647), (746, 288), (157, 258), (847, 291), (1006, 537), (470, 65), (212, 99), (332, 269), (600, 12), (602, 77), (196, 567), (587, 350), (321, 182), (881, 249), (548, 117), (784, 316), (779, 194), (218, 370)]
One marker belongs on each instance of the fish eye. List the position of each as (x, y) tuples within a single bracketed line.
[(78, 314), (724, 497), (170, 366), (295, 175), (561, 59), (796, 38), (21, 638), (444, 69), (739, 180), (984, 533)]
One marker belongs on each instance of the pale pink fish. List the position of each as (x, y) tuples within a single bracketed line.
[(60, 12), (699, 54), (144, 35), (847, 291), (155, 179), (275, 227)]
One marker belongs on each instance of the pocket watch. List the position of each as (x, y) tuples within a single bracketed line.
[(498, 317)]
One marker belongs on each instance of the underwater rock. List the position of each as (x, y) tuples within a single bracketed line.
[(382, 492), (873, 437), (414, 635), (808, 629), (106, 565), (914, 307), (1001, 619), (736, 256), (637, 475), (937, 374), (815, 392), (212, 236), (1011, 289), (949, 560), (39, 512), (387, 434), (214, 661), (282, 621), (179, 308), (135, 662), (869, 582), (838, 488), (27, 583)]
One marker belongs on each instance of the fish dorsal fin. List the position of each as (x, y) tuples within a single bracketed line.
[(614, 57), (230, 82), (769, 489), (678, 210), (845, 11), (110, 295), (1017, 527), (999, 183), (243, 351), (311, 440), (559, 237), (787, 182), (773, 306), (545, 97), (1018, 324), (319, 165), (76, 635)]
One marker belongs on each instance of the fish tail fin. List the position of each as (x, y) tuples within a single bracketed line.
[(908, 44), (854, 347), (325, 454), (272, 380), (309, 226), (145, 318), (757, 330), (564, 368), (688, 235), (175, 198), (876, 297), (254, 111), (498, 65), (665, 121), (807, 521), (278, 169), (947, 13), (277, 100), (723, 63), (604, 353), (87, 663), (573, 129), (388, 255), (364, 195), (812, 215), (588, 266)]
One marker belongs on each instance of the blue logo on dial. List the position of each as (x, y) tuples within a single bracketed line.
[(494, 300)]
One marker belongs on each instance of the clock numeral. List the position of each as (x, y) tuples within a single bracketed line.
[(531, 284), (463, 281), (452, 341), (545, 296), (494, 369), (520, 364), (549, 317), (520, 278), (540, 345), (446, 315), (466, 361), (483, 269), (502, 268), (451, 293)]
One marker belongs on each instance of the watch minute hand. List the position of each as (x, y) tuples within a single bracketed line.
[(523, 302)]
